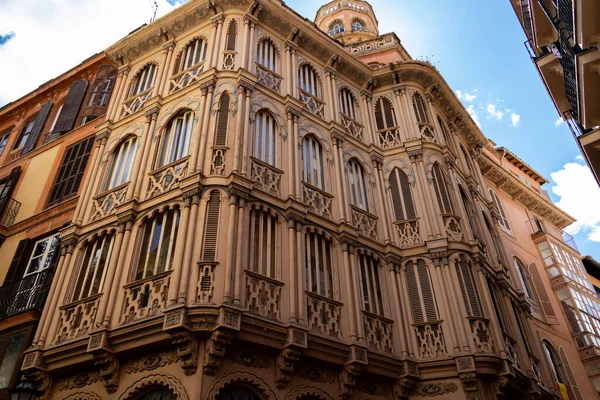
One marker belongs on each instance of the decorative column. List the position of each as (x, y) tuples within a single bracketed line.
[(218, 19), (188, 249), (292, 269), (453, 291), (404, 122), (251, 44), (180, 248), (334, 107), (66, 251), (205, 125), (297, 158), (300, 270), (367, 110), (162, 89), (426, 208), (348, 278), (377, 164), (440, 261), (84, 202), (360, 329), (212, 42), (240, 127), (140, 164), (291, 164), (294, 71), (339, 175), (239, 248), (247, 134), (245, 38), (228, 296), (195, 142), (328, 90), (287, 71), (122, 94), (113, 103), (399, 307), (411, 119)]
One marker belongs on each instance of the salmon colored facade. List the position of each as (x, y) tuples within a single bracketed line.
[(46, 139), (272, 214)]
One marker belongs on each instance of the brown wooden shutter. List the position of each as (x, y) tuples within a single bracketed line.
[(468, 287), (106, 75), (8, 188), (426, 291), (231, 36), (71, 106), (71, 171), (567, 367), (413, 293), (542, 295), (19, 261), (221, 139), (441, 190), (212, 227), (407, 195), (38, 125), (396, 198)]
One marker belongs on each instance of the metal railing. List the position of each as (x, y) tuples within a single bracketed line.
[(11, 209), (26, 294)]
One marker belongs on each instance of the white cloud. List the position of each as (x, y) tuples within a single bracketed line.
[(559, 121), (52, 36), (493, 112), (468, 97), (473, 114), (579, 196), (514, 119)]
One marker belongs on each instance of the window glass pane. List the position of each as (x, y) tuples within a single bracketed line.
[(9, 362)]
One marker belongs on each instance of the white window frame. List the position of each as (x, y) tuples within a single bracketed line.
[(357, 185), (91, 267), (144, 80), (265, 138), (347, 103), (52, 245), (308, 79), (175, 140), (313, 170), (266, 54)]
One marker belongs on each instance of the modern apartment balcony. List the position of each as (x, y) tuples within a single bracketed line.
[(26, 294)]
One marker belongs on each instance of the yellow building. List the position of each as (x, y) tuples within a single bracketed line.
[(285, 210)]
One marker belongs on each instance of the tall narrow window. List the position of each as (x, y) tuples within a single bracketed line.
[(3, 140), (211, 227), (465, 154), (27, 128), (313, 162), (263, 243), (44, 255), (370, 285), (266, 54), (503, 219), (404, 207), (144, 80), (542, 295), (493, 295), (222, 121), (319, 265), (337, 28), (308, 80), (420, 292), (441, 189), (358, 26), (193, 54), (93, 267), (522, 275), (468, 288), (157, 249), (357, 185), (231, 36), (444, 130), (71, 171), (384, 114), (496, 243), (121, 163), (101, 90), (468, 206), (265, 137), (176, 138), (420, 109), (347, 103)]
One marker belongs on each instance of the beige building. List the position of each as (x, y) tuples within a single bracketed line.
[(563, 38), (272, 214)]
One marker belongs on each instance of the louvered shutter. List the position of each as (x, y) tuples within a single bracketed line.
[(467, 287), (542, 295), (106, 75), (38, 125), (379, 115), (231, 36), (19, 261), (212, 227), (71, 171), (441, 191), (426, 291), (389, 116), (413, 293), (221, 139), (71, 107), (396, 198), (8, 188), (407, 195)]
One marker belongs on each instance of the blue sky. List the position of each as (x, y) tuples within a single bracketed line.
[(477, 46)]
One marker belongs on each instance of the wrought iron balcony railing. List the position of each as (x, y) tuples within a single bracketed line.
[(11, 209), (27, 294)]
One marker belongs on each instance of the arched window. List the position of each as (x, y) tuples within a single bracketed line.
[(357, 185), (93, 267), (347, 103), (420, 292), (444, 130), (384, 114), (144, 80), (522, 275), (176, 137), (503, 219), (468, 206), (158, 394), (358, 26), (441, 189), (236, 392), (319, 264), (211, 227), (370, 285), (308, 79), (231, 36), (313, 162), (402, 200), (465, 154), (264, 246), (553, 363), (157, 245), (223, 120), (265, 138), (266, 54), (337, 28), (468, 287), (420, 108), (121, 163), (193, 54), (495, 303)]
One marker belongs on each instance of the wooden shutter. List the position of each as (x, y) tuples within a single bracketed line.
[(231, 36), (71, 107), (212, 227), (426, 291), (38, 125), (413, 293), (467, 287), (105, 72), (389, 114), (9, 186), (567, 367), (379, 115), (71, 171), (221, 138), (396, 198), (441, 191), (19, 261), (406, 195), (540, 290)]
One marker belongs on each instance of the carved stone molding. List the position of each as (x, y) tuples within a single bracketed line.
[(285, 364), (249, 359), (78, 381), (247, 378), (308, 391), (348, 378), (83, 396), (469, 381), (403, 388), (187, 350), (216, 346), (435, 389), (43, 383), (109, 367), (156, 380), (151, 362)]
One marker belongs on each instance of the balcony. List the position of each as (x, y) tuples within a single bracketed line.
[(426, 131), (185, 78), (27, 294), (105, 203), (378, 332), (11, 209), (430, 340), (265, 176), (389, 138), (268, 78), (324, 315), (481, 335), (77, 318), (589, 142), (263, 296), (353, 127), (311, 103), (134, 104), (167, 178), (510, 346), (318, 201), (409, 234), (365, 222), (146, 298), (452, 227)]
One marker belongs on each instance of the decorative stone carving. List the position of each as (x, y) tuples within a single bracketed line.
[(311, 392), (247, 378), (187, 350), (403, 388), (284, 365), (156, 380), (43, 383), (78, 381), (348, 378), (469, 381), (371, 387), (315, 375), (250, 359), (83, 396), (215, 350), (109, 367), (151, 362), (435, 389)]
